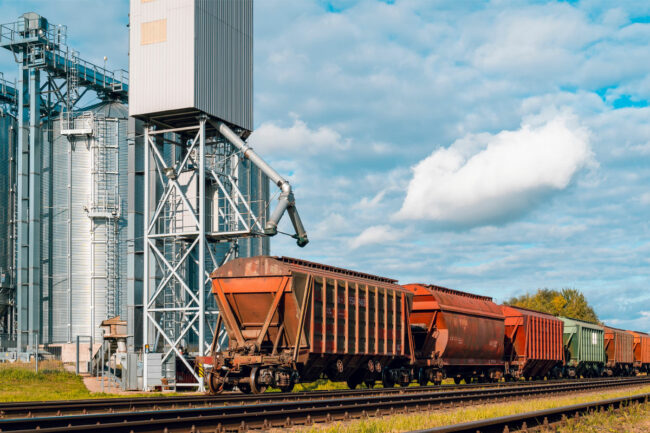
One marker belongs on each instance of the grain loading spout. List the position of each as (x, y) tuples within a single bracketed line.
[(286, 202)]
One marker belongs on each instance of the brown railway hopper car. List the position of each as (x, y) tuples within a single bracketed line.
[(290, 320), (641, 347), (456, 334), (533, 343), (619, 352)]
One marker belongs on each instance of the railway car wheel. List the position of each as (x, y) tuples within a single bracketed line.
[(423, 377), (213, 386), (256, 388), (386, 380), (457, 380), (370, 383)]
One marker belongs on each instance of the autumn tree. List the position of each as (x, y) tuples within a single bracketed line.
[(565, 302)]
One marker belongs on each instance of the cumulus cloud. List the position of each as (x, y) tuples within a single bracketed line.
[(298, 137), (489, 178), (375, 235)]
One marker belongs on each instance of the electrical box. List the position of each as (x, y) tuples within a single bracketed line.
[(153, 369), (191, 57)]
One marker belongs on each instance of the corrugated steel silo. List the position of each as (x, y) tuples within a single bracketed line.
[(7, 179), (7, 235), (88, 222)]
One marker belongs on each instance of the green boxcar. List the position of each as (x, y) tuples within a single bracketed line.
[(584, 348)]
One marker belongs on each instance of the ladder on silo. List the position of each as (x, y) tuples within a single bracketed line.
[(72, 91), (105, 205)]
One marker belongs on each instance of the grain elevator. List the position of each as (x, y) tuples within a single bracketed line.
[(124, 191)]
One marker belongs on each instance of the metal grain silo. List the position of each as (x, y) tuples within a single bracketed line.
[(86, 225), (7, 234), (7, 180)]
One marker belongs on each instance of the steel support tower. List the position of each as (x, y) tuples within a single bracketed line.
[(52, 78), (195, 216)]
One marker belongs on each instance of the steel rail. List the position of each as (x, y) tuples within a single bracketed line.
[(283, 414), (543, 418), (87, 406)]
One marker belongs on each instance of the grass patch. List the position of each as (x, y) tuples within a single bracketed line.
[(423, 420), (19, 382), (634, 418)]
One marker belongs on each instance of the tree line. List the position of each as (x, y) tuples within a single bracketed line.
[(564, 302)]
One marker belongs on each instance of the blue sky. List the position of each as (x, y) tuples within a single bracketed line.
[(495, 147)]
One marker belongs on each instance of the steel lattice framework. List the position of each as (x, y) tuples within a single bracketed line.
[(194, 214)]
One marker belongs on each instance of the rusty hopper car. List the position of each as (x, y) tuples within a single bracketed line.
[(455, 334), (533, 343), (290, 320), (619, 352), (641, 351)]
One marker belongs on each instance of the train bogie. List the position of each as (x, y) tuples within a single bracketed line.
[(291, 320), (533, 343)]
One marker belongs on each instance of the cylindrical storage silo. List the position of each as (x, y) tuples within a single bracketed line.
[(87, 223), (7, 236)]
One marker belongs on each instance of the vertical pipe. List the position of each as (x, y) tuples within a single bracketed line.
[(36, 350), (202, 243), (12, 227), (89, 366), (69, 211), (22, 230), (77, 359), (35, 210), (92, 143), (145, 283), (92, 279), (103, 350)]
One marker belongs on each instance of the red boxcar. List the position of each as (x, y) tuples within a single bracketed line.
[(290, 320), (456, 334), (533, 343), (619, 352), (641, 348)]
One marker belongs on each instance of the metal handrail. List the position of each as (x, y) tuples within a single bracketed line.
[(52, 42)]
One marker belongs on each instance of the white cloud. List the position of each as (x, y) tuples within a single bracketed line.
[(371, 203), (375, 235), (332, 224), (483, 178), (645, 198), (539, 40), (297, 138)]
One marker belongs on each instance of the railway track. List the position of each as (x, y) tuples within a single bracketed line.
[(541, 418), (285, 414), (90, 406)]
